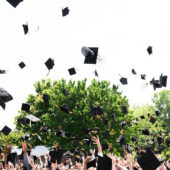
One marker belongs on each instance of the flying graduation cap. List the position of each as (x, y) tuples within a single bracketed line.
[(149, 50), (3, 71), (123, 80), (22, 65), (25, 28), (65, 11), (14, 3), (133, 72), (163, 80), (72, 71), (49, 64), (6, 130), (4, 98), (90, 54)]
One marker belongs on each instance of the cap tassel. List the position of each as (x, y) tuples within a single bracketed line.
[(48, 73)]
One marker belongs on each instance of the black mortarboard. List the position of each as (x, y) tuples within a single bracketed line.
[(155, 83), (25, 27), (157, 113), (21, 121), (65, 108), (159, 140), (123, 80), (134, 139), (143, 76), (142, 117), (123, 124), (49, 64), (145, 132), (46, 99), (106, 135), (90, 54), (149, 50), (21, 65), (12, 157), (152, 120), (163, 80), (133, 71), (65, 11), (104, 163), (87, 141), (26, 137), (6, 130), (25, 107), (2, 71), (72, 71), (14, 3), (96, 74), (168, 141), (4, 98), (91, 164), (114, 87), (148, 160), (65, 92), (105, 146), (124, 109)]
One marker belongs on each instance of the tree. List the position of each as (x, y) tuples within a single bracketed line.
[(85, 109), (162, 104)]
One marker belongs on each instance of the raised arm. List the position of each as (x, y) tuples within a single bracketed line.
[(96, 141)]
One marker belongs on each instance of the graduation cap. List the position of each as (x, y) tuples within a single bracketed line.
[(135, 121), (152, 120), (4, 98), (90, 54), (26, 137), (148, 161), (143, 76), (106, 135), (123, 124), (91, 164), (96, 74), (149, 50), (105, 146), (25, 27), (22, 65), (123, 80), (25, 107), (145, 132), (12, 157), (68, 134), (133, 71), (2, 71), (46, 99), (124, 109), (65, 108), (6, 130), (168, 141), (114, 87), (134, 139), (159, 140), (155, 83), (32, 118), (72, 71), (14, 3), (104, 163), (21, 121), (65, 11), (106, 121), (65, 92), (142, 117), (49, 64), (157, 113), (76, 143), (163, 80), (87, 141)]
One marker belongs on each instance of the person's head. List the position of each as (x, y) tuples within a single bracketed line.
[(68, 160)]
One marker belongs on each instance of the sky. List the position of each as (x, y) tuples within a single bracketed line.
[(121, 29)]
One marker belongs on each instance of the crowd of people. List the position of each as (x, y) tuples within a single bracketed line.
[(92, 161)]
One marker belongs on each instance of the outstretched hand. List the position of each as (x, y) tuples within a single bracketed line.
[(96, 140), (24, 147)]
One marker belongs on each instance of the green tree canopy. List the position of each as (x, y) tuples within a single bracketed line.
[(83, 102)]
